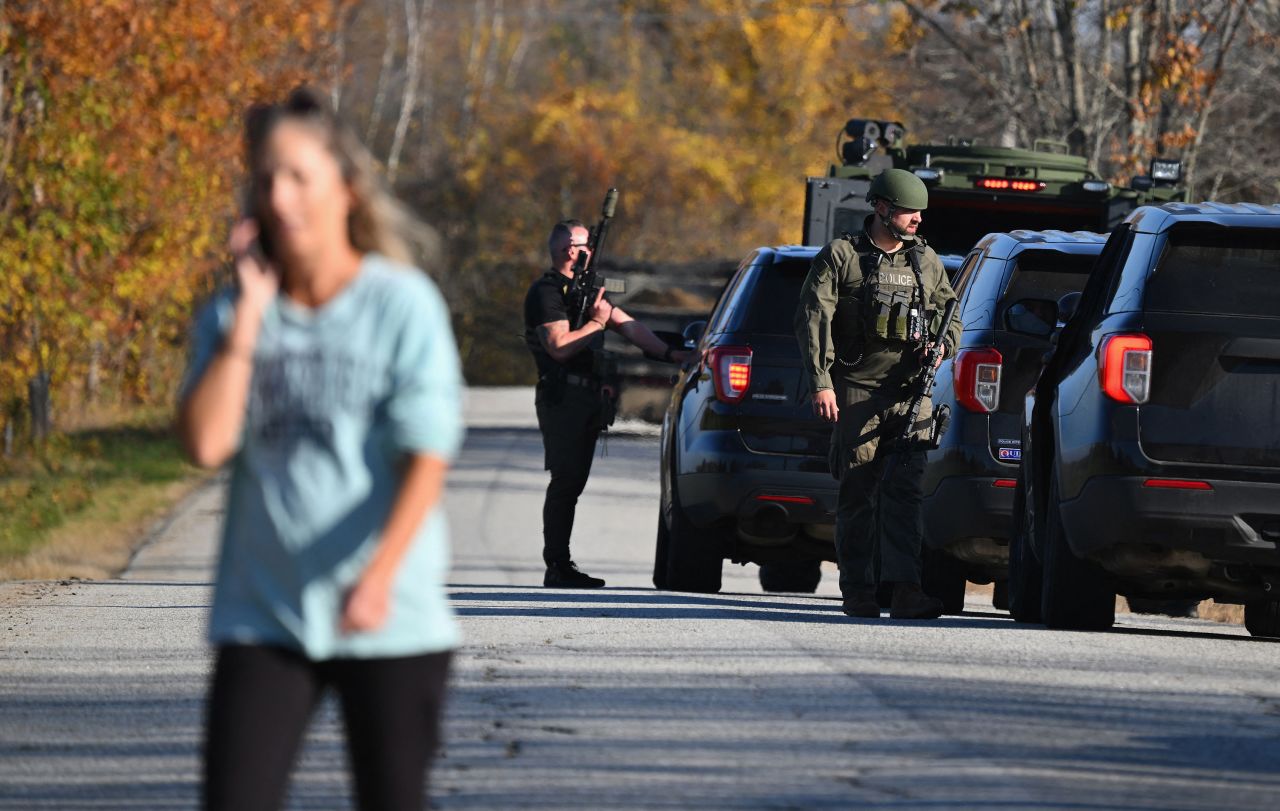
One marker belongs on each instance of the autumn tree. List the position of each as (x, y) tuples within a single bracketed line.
[(1120, 81), (120, 153), (707, 114)]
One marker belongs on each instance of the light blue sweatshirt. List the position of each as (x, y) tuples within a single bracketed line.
[(339, 395)]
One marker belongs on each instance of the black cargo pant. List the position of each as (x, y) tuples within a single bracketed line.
[(877, 520), (570, 418)]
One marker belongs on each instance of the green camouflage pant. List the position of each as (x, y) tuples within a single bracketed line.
[(877, 521)]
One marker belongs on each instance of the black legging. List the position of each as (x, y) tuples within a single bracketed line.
[(262, 698)]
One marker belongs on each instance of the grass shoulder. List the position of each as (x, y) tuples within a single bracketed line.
[(78, 506)]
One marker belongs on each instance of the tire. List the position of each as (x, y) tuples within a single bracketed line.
[(1076, 593), (1262, 618), (942, 577), (694, 557), (1000, 595), (1025, 571), (660, 554), (797, 576)]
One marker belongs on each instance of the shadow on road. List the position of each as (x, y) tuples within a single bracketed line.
[(507, 601)]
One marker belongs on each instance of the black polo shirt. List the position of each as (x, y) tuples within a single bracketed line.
[(547, 301)]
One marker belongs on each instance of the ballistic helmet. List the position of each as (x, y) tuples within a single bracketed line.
[(900, 189)]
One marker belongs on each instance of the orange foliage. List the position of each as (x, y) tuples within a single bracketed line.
[(123, 117)]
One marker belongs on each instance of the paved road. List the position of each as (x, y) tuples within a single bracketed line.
[(630, 698)]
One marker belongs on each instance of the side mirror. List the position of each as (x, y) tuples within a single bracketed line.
[(1067, 306), (693, 333), (1032, 316)]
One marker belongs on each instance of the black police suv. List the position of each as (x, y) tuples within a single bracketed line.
[(744, 460), (1151, 441), (1008, 287)]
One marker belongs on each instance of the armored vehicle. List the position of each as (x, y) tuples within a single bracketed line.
[(975, 190)]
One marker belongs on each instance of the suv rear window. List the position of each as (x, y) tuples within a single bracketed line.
[(774, 297), (1217, 270), (1048, 274)]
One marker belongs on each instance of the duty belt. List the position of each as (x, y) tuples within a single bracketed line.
[(581, 380)]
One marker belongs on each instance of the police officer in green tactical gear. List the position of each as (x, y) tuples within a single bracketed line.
[(867, 310), (571, 398)]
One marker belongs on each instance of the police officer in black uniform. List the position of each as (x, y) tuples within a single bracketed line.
[(571, 398)]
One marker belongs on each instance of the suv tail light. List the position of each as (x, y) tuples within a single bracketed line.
[(1124, 367), (730, 371), (976, 376)]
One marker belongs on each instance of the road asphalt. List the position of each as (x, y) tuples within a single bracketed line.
[(630, 698)]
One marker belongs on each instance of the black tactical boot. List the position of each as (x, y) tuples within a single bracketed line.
[(911, 603), (567, 576), (862, 603)]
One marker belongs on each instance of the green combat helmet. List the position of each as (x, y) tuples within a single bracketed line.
[(900, 188)]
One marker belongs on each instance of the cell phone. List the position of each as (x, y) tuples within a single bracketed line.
[(264, 244)]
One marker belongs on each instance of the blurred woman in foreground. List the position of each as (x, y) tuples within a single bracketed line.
[(329, 380)]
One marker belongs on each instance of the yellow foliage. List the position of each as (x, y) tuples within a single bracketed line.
[(127, 133)]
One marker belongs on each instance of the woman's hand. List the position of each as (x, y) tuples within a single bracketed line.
[(367, 606), (258, 277)]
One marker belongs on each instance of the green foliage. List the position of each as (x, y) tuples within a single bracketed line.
[(119, 147), (45, 487)]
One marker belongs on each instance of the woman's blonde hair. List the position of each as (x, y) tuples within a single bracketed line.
[(378, 222)]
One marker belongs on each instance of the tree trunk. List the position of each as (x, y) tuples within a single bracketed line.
[(384, 76), (1074, 75), (415, 18), (1134, 60), (39, 405), (93, 376)]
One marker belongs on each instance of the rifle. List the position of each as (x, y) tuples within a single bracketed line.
[(922, 387), (586, 282)]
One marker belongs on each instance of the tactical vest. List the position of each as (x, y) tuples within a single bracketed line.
[(886, 309)]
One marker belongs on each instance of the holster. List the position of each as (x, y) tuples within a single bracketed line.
[(941, 420), (551, 387), (608, 409)]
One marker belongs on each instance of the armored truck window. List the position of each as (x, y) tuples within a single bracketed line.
[(1210, 269)]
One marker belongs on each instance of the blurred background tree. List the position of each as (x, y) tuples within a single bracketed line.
[(120, 150), (120, 130)]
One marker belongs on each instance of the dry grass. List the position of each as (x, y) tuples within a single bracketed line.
[(1229, 613), (100, 540), (79, 504)]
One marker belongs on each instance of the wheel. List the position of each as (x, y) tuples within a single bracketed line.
[(1076, 594), (1025, 571), (1000, 595), (694, 557), (660, 554), (942, 577), (800, 576), (1262, 618)]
